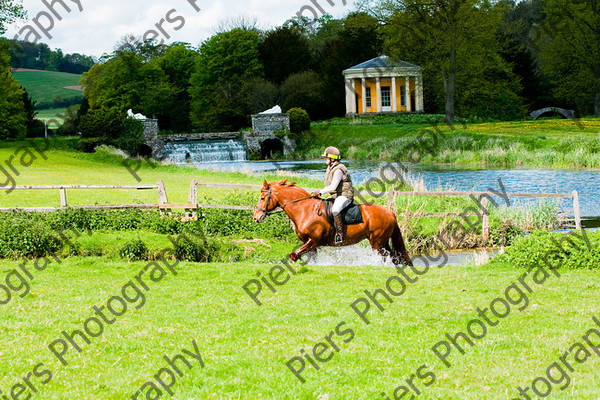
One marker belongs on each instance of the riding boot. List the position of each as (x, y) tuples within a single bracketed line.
[(339, 224)]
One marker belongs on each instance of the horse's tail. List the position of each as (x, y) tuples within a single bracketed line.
[(398, 249)]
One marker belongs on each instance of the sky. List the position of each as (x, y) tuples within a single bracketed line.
[(93, 27)]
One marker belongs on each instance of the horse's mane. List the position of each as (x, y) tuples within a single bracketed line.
[(285, 184)]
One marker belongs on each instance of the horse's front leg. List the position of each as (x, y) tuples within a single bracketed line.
[(308, 246)]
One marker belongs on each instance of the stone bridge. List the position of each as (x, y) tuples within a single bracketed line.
[(569, 114)]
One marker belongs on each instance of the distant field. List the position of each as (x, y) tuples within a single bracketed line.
[(43, 86), (54, 113)]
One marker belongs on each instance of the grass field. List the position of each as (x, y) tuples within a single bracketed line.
[(54, 113), (245, 347), (546, 142), (65, 166), (43, 86)]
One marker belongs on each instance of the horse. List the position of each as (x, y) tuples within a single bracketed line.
[(307, 213)]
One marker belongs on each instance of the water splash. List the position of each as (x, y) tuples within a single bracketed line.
[(358, 255)]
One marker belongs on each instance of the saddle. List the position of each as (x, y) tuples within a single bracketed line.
[(350, 214)]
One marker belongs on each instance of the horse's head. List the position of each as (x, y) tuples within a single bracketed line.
[(266, 203), (268, 200)]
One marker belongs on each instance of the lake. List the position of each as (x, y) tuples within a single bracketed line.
[(452, 177)]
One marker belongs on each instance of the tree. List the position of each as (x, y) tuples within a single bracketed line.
[(260, 95), (178, 63), (283, 52), (569, 42), (517, 47), (10, 12), (227, 60), (12, 108), (304, 90), (452, 39), (353, 40)]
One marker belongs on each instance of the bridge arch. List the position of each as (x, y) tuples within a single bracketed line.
[(568, 114)]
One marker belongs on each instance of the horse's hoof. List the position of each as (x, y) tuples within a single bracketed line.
[(294, 257)]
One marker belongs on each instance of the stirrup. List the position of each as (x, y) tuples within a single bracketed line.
[(339, 238)]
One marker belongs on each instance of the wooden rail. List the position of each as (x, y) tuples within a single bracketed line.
[(391, 201), (62, 191), (192, 205)]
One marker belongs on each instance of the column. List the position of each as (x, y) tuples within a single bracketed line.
[(419, 94), (353, 99), (378, 94), (363, 96), (407, 95), (349, 96), (394, 102)]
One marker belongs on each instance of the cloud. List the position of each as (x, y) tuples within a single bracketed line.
[(100, 25)]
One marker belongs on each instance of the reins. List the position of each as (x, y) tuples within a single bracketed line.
[(282, 207)]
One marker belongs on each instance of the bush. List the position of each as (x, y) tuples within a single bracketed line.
[(134, 250), (105, 122), (299, 120), (540, 249), (21, 237), (193, 250), (131, 137), (88, 145)]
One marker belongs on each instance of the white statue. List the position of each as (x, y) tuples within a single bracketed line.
[(274, 110), (130, 114)]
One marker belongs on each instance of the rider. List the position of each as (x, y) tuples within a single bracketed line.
[(339, 185)]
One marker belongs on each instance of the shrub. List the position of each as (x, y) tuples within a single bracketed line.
[(105, 122), (21, 237), (192, 250), (299, 120), (540, 249), (134, 250), (88, 145), (131, 137)]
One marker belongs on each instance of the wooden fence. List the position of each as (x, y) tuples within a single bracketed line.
[(192, 205), (391, 201)]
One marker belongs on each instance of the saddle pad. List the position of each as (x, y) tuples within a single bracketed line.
[(350, 215)]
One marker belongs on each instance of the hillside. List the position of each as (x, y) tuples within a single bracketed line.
[(44, 86)]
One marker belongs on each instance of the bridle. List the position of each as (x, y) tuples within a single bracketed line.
[(270, 197)]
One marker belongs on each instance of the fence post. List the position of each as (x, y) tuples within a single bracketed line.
[(485, 220), (162, 196), (391, 199), (63, 196), (576, 210), (192, 199)]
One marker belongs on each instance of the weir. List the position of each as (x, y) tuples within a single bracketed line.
[(203, 148)]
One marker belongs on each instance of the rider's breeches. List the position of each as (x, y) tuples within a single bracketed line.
[(339, 204)]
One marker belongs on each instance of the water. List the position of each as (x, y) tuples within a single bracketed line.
[(451, 177), (197, 153), (361, 254)]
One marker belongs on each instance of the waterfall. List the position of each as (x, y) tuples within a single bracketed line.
[(203, 151)]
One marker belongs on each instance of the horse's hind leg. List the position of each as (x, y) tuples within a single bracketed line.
[(383, 249)]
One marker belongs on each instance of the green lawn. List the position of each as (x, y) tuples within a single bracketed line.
[(43, 86), (245, 347), (65, 166), (547, 142)]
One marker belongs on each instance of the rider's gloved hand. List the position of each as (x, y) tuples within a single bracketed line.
[(316, 194)]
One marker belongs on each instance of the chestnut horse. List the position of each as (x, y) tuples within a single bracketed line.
[(312, 227)]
